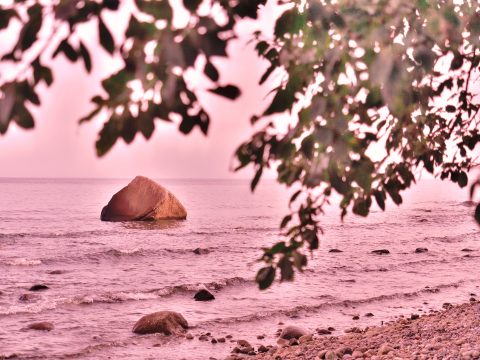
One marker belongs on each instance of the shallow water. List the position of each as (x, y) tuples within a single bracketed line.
[(107, 275)]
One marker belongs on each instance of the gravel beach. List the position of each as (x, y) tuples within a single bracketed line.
[(453, 333)]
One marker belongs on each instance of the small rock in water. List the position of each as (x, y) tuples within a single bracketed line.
[(421, 250), (447, 305), (214, 341), (199, 251), (39, 287), (381, 252), (29, 297), (189, 336), (323, 332), (292, 332), (356, 317), (467, 250), (261, 337), (203, 337), (221, 340), (335, 251), (42, 326), (166, 322), (369, 314), (414, 317), (56, 272), (330, 328), (204, 295)]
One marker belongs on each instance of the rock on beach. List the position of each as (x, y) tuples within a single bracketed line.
[(165, 322)]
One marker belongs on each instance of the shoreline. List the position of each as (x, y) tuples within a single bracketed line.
[(453, 333)]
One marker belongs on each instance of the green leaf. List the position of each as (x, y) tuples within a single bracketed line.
[(86, 57), (108, 136), (159, 9), (256, 179), (380, 199), (477, 214), (90, 116), (111, 4), (211, 71), (31, 29), (67, 49), (5, 16), (23, 118), (290, 22), (145, 125), (285, 221), (265, 277), (106, 39), (192, 5), (360, 207), (229, 91), (41, 72), (462, 179), (286, 269), (299, 260)]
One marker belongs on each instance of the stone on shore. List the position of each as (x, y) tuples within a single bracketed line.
[(42, 326), (292, 332), (39, 287), (381, 252), (204, 295), (166, 322), (143, 199)]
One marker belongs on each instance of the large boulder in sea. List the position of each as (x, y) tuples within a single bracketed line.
[(166, 322), (143, 199)]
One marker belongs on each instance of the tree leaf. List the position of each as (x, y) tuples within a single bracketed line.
[(285, 221), (211, 71), (5, 16), (106, 39), (290, 22), (462, 179), (229, 91), (192, 5), (286, 269), (23, 118), (86, 57), (256, 179), (265, 277), (67, 49)]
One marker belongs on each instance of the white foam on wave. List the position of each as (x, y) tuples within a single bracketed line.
[(24, 262)]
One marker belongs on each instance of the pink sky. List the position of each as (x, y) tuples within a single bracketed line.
[(59, 147)]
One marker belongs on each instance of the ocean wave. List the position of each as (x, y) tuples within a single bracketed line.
[(53, 235), (298, 310), (23, 262), (45, 303)]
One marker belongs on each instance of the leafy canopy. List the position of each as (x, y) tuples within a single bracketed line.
[(357, 76)]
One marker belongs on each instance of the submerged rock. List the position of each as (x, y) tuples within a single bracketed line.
[(42, 326), (28, 297), (166, 322), (292, 332), (143, 199), (204, 295), (39, 287), (335, 251), (381, 252), (421, 250), (199, 251)]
